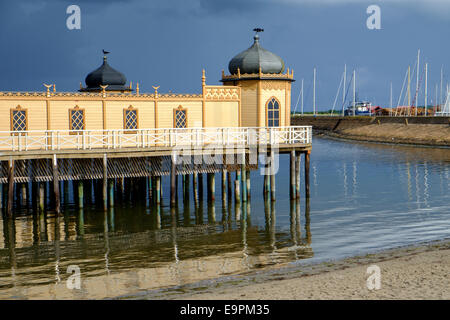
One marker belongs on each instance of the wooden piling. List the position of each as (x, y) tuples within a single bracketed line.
[(211, 186), (41, 196), (200, 185), (105, 182), (1, 195), (150, 189), (292, 180), (186, 194), (80, 194), (9, 205), (272, 175), (195, 188), (224, 186), (244, 183), (298, 160), (56, 185), (248, 185), (229, 186), (158, 190), (307, 159), (173, 186), (237, 192), (24, 194), (111, 193)]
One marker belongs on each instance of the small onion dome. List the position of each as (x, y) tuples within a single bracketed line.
[(105, 75), (254, 58)]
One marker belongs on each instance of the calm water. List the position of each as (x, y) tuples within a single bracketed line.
[(364, 198)]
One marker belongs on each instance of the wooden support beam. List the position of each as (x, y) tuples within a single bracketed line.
[(150, 189), (292, 180), (1, 195), (298, 160), (186, 194), (307, 159), (244, 183), (23, 191), (80, 194), (173, 186), (9, 205), (211, 186), (158, 190), (195, 188), (200, 186), (41, 196), (111, 193), (248, 185), (272, 175), (56, 185), (229, 186), (224, 185), (105, 182), (237, 188)]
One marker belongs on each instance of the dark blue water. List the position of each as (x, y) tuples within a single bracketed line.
[(364, 198)]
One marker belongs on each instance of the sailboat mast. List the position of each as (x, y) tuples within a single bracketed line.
[(314, 94), (391, 103), (354, 92), (345, 79), (426, 89), (302, 96), (442, 80), (409, 88), (417, 81)]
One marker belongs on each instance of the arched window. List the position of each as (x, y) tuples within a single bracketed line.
[(273, 112), (76, 119), (180, 117), (130, 119), (19, 119)]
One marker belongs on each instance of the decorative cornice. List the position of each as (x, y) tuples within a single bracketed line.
[(222, 93), (289, 75), (98, 95)]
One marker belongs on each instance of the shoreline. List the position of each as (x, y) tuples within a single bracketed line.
[(420, 271), (368, 139), (414, 131)]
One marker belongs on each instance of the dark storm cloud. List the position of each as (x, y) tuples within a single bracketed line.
[(167, 43)]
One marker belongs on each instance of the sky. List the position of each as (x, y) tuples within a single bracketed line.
[(167, 43)]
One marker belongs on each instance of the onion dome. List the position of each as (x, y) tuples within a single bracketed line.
[(254, 58), (106, 75)]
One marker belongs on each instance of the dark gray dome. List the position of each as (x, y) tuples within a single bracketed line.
[(255, 57), (105, 75)]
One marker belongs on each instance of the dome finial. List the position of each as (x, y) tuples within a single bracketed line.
[(104, 54), (257, 30)]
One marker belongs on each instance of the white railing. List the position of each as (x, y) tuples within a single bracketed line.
[(147, 138)]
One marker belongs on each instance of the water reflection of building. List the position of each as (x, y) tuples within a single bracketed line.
[(154, 258)]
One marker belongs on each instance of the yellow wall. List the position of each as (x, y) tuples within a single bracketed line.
[(37, 114), (222, 114), (249, 100)]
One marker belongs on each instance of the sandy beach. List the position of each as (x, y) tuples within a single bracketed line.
[(421, 272)]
